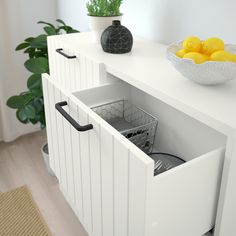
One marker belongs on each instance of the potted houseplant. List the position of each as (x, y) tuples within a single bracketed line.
[(101, 13), (29, 104)]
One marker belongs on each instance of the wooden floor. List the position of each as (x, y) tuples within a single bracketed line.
[(21, 163)]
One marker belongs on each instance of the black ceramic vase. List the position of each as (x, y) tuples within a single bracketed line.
[(116, 39)]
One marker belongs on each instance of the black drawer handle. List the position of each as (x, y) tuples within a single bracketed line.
[(78, 127), (60, 51)]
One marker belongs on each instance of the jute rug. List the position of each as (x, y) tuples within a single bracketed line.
[(19, 214)]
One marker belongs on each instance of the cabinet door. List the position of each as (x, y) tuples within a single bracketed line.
[(100, 172), (72, 70)]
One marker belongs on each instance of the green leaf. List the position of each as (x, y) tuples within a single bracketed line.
[(50, 30), (17, 102), (22, 46), (21, 116), (28, 50), (46, 23), (34, 81), (34, 121), (37, 65), (29, 111), (38, 104), (39, 42), (42, 120), (29, 40), (72, 31), (37, 92), (61, 21)]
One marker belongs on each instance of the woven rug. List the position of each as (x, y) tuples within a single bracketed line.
[(19, 214)]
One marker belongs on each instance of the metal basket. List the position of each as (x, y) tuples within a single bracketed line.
[(135, 124)]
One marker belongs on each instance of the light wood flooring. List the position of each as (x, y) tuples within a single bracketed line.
[(21, 163)]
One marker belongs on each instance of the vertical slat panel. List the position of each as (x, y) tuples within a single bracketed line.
[(65, 71), (77, 168), (137, 195), (86, 171), (58, 69), (68, 152), (69, 75), (51, 96), (121, 184), (77, 72), (83, 72), (61, 144), (96, 73), (51, 55), (95, 153), (53, 65), (52, 159), (89, 72), (72, 72), (107, 169)]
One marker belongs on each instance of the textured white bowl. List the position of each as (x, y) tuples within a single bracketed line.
[(208, 73)]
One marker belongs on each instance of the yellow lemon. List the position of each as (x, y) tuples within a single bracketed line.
[(206, 57), (180, 53), (197, 57), (212, 45), (192, 44), (223, 56), (234, 58)]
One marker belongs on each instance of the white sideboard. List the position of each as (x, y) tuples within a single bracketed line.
[(107, 180)]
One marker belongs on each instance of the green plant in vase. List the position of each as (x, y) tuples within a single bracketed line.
[(101, 13), (104, 7)]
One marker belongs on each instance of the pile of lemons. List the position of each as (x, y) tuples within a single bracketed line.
[(211, 49)]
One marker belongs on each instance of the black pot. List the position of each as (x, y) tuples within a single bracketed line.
[(116, 39)]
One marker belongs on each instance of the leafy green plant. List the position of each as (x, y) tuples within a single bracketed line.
[(104, 7), (29, 104)]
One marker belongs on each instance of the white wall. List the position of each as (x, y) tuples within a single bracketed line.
[(17, 21), (73, 12), (166, 20)]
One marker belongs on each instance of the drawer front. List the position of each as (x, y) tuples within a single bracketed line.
[(72, 70), (102, 175), (184, 200)]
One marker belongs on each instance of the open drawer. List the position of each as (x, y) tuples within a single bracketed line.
[(110, 183)]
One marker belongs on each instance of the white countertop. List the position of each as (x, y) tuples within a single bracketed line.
[(147, 68)]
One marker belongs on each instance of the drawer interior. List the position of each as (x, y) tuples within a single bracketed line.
[(177, 133)]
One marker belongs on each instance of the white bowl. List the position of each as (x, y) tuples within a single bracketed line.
[(208, 73)]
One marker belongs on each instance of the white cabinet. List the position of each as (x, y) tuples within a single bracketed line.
[(110, 183), (106, 179)]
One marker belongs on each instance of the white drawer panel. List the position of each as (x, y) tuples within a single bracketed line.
[(101, 206), (186, 197), (115, 191), (76, 72)]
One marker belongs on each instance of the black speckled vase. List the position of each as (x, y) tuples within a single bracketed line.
[(116, 39)]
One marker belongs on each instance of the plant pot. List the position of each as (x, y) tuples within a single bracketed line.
[(98, 24), (45, 154)]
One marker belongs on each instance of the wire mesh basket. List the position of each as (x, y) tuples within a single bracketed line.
[(134, 123)]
